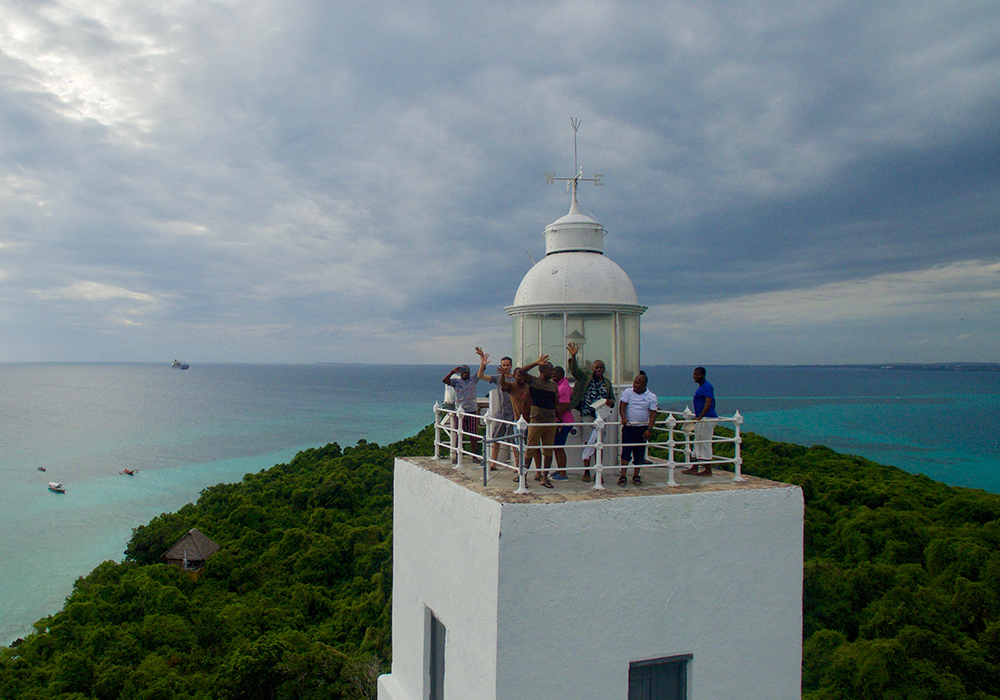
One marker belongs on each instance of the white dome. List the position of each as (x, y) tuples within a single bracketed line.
[(565, 279), (575, 217)]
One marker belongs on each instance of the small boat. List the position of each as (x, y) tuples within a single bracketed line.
[(41, 469), (179, 365), (56, 487), (130, 472)]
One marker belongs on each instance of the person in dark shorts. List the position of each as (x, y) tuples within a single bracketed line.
[(637, 410), (563, 394)]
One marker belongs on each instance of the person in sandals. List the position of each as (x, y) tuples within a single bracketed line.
[(637, 410), (706, 419), (591, 386), (542, 427)]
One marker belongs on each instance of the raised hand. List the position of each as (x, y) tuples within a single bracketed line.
[(573, 349)]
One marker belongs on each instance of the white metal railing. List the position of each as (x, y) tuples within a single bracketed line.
[(669, 435)]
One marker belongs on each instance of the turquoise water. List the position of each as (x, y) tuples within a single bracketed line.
[(182, 431), (186, 430), (942, 424)]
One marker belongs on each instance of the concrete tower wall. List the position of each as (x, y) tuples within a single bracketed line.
[(551, 597), (588, 587), (445, 558)]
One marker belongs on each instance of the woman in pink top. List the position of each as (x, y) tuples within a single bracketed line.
[(564, 393)]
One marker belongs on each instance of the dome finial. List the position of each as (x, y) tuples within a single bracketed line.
[(572, 182)]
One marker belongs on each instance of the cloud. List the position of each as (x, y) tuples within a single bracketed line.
[(944, 288), (87, 291), (338, 181), (912, 316)]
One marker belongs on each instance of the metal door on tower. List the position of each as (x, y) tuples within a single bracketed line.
[(658, 679)]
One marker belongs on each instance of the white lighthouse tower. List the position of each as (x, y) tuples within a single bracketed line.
[(672, 590)]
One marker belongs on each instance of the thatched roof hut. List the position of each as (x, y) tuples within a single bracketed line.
[(191, 551)]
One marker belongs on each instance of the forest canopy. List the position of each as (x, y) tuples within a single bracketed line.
[(901, 588), (294, 605)]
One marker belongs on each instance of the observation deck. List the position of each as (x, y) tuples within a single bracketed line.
[(501, 488)]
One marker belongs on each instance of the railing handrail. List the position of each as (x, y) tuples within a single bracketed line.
[(672, 425)]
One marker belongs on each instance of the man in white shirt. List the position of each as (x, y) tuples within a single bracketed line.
[(637, 410)]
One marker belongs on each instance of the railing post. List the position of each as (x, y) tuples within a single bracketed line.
[(599, 455), (486, 436), (671, 424), (688, 437), (461, 436), (437, 431), (485, 460), (737, 452), (522, 430), (452, 433)]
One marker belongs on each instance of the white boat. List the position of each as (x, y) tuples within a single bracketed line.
[(179, 365), (56, 487)]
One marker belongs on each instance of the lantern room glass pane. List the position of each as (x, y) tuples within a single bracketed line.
[(528, 349), (553, 340), (516, 347), (599, 332), (542, 335), (629, 328)]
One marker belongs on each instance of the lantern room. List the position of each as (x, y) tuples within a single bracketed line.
[(578, 295)]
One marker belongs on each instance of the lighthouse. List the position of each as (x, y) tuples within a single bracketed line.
[(674, 590)]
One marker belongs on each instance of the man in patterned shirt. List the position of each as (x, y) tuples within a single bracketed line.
[(591, 386)]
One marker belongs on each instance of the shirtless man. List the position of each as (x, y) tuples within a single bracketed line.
[(542, 430)]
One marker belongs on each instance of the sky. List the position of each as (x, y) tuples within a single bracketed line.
[(808, 182)]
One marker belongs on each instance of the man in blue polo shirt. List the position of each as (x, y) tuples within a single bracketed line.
[(704, 428)]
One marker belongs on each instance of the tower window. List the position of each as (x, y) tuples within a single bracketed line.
[(436, 659), (659, 679)]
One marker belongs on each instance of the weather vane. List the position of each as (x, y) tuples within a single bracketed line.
[(571, 182)]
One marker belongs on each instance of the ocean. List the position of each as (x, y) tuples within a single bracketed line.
[(186, 430)]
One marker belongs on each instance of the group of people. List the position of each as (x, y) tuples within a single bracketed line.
[(547, 402)]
